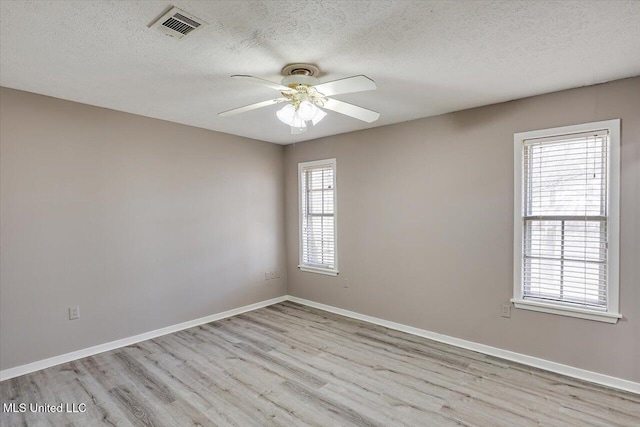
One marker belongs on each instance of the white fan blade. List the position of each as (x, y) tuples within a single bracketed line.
[(252, 107), (348, 85), (272, 85), (351, 110)]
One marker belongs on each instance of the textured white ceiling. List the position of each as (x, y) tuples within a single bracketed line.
[(427, 57)]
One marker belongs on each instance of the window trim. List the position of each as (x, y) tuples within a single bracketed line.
[(611, 315), (309, 268)]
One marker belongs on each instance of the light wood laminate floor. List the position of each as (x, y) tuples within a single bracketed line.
[(288, 365)]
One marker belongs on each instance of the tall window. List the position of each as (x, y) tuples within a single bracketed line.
[(317, 189), (566, 220)]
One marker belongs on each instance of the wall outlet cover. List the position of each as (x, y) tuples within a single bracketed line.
[(506, 310), (74, 312)]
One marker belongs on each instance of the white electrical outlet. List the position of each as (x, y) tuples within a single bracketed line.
[(277, 274), (273, 274), (345, 283), (74, 312), (266, 275), (506, 310)]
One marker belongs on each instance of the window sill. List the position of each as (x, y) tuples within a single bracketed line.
[(318, 270), (562, 310)]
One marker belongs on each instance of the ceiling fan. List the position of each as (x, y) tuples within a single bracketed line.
[(306, 97)]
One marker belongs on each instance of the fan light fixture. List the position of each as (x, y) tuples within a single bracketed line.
[(305, 97), (297, 118)]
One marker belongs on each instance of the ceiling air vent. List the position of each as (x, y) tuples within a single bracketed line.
[(177, 23)]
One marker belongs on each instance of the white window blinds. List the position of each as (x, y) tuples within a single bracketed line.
[(318, 215), (565, 219)]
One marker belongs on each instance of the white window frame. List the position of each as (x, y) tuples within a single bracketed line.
[(611, 315), (301, 265)]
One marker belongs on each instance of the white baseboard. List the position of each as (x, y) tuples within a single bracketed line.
[(79, 354), (558, 368)]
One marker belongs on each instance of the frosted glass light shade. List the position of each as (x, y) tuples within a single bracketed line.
[(297, 119), (307, 110), (298, 122), (287, 114)]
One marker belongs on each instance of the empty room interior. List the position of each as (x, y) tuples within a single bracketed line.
[(320, 213)]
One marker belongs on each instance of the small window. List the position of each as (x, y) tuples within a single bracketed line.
[(317, 189), (566, 220)]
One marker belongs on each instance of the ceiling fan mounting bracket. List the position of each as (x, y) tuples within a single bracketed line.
[(300, 69), (300, 75)]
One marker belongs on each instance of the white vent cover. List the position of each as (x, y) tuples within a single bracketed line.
[(178, 23)]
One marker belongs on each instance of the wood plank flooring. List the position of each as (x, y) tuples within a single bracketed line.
[(291, 365)]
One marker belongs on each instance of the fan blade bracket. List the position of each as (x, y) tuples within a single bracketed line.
[(289, 94)]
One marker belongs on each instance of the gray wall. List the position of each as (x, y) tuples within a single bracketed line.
[(146, 224), (141, 222), (425, 223)]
